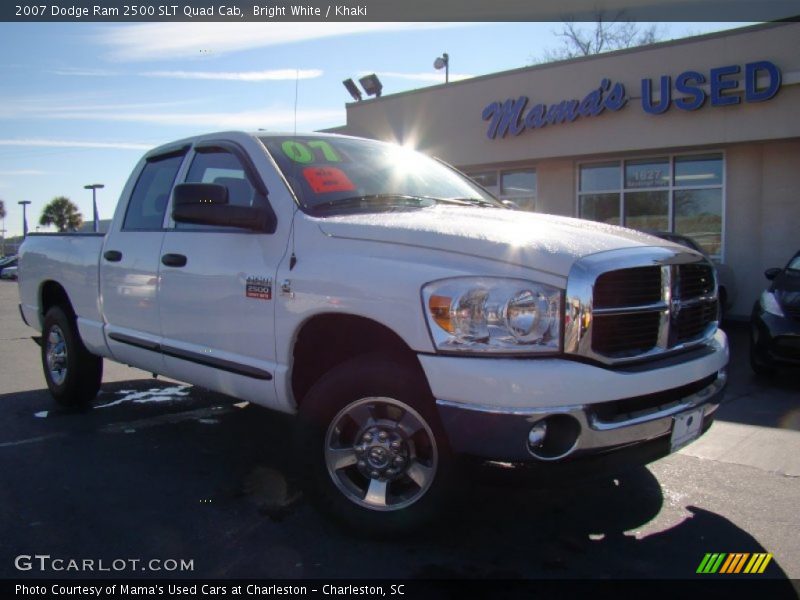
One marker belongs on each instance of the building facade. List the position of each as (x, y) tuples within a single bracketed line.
[(698, 136)]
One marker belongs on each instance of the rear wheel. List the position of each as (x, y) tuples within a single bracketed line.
[(73, 374), (371, 448)]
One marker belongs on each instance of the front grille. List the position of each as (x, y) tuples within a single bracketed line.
[(695, 281), (625, 335), (629, 408), (692, 322), (631, 306), (787, 348), (628, 287)]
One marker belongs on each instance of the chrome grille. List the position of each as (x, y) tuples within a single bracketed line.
[(618, 310)]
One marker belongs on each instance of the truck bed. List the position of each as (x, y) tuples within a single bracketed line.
[(72, 258)]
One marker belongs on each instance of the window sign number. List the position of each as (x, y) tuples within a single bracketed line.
[(327, 150), (297, 152), (303, 153)]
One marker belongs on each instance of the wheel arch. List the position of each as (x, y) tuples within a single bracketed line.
[(52, 293), (327, 340)]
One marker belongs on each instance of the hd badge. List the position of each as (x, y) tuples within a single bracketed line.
[(259, 288)]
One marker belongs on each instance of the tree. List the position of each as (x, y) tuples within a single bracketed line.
[(2, 209), (601, 36), (62, 213)]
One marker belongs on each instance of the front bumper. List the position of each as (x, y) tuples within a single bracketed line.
[(776, 338), (504, 435), (489, 406)]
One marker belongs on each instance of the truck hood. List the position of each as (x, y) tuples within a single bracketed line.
[(543, 242)]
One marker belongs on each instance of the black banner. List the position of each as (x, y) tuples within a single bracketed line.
[(705, 588), (397, 10)]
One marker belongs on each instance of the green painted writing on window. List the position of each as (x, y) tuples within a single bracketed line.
[(310, 152)]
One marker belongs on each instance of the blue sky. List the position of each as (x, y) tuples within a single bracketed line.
[(81, 102)]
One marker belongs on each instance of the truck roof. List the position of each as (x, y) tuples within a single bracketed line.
[(233, 135)]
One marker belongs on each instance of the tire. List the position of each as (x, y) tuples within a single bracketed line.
[(758, 363), (73, 374), (370, 449)]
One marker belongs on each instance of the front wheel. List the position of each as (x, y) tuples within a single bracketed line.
[(72, 373), (371, 447), (760, 364)]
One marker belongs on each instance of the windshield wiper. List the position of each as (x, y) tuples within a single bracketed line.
[(467, 202)]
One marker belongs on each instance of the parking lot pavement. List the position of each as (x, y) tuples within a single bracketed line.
[(159, 470)]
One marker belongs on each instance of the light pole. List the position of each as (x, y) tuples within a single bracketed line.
[(94, 187), (24, 204), (3, 241)]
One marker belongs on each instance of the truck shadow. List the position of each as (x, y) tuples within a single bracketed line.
[(198, 477)]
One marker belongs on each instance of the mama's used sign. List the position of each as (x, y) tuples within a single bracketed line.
[(692, 90)]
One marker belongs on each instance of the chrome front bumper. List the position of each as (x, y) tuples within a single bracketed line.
[(502, 434)]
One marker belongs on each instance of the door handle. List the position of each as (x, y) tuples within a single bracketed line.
[(112, 255), (173, 260)]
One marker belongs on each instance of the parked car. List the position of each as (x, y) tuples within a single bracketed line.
[(775, 321), (401, 312), (8, 262), (725, 277), (9, 273)]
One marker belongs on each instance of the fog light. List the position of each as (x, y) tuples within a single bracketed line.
[(554, 437), (536, 434)]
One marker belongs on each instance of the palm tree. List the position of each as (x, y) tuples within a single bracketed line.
[(62, 213)]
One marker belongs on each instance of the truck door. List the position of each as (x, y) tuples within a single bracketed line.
[(217, 287), (130, 260)]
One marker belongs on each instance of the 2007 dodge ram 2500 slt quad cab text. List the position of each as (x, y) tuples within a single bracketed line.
[(402, 312)]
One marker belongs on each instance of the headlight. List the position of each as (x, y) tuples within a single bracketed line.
[(485, 314), (770, 304)]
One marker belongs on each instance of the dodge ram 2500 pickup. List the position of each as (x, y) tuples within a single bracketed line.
[(402, 312)]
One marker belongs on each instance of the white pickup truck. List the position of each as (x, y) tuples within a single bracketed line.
[(403, 313)]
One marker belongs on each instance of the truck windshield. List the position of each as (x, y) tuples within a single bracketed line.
[(334, 175)]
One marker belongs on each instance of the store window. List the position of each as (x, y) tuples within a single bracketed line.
[(487, 179), (518, 186), (682, 194)]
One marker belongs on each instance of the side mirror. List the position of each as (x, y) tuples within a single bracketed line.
[(207, 204), (772, 273)]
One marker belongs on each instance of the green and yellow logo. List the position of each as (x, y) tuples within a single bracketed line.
[(736, 562)]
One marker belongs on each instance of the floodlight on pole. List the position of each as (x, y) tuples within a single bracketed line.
[(354, 91), (94, 187), (372, 85), (443, 62), (24, 204)]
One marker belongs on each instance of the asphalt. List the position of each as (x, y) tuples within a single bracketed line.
[(160, 470)]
